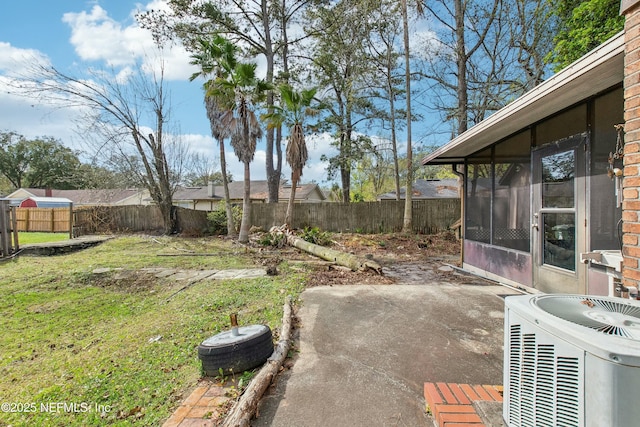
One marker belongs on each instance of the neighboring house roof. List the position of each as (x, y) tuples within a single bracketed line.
[(595, 72), (236, 190), (193, 193), (259, 192), (86, 197), (428, 189), (303, 192)]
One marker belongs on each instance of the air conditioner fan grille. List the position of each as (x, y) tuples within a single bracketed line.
[(608, 317)]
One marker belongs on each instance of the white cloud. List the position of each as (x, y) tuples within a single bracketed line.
[(14, 59), (315, 170), (98, 37), (201, 144), (425, 44), (317, 146), (24, 115), (153, 5)]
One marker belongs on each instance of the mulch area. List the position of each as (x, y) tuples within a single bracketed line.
[(386, 249)]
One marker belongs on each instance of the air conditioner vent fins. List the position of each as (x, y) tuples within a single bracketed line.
[(544, 386), (608, 317)]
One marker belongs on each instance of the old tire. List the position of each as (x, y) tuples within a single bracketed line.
[(227, 354)]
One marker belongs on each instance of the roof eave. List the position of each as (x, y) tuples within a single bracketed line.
[(594, 73)]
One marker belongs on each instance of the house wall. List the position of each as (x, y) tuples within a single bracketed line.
[(19, 194), (314, 197), (631, 183), (205, 205), (141, 197), (498, 263)]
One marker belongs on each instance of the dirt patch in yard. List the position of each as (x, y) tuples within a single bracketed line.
[(387, 249), (404, 258), (126, 281)]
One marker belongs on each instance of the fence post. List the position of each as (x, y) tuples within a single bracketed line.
[(4, 229), (13, 214), (70, 220)]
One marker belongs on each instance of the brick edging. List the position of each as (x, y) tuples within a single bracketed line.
[(451, 404)]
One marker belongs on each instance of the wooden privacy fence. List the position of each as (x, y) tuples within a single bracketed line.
[(429, 216), (114, 219), (53, 220)]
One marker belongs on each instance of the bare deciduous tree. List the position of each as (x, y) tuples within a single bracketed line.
[(484, 54), (128, 118)]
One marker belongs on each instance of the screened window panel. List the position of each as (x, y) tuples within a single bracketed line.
[(512, 200), (478, 198), (604, 214)]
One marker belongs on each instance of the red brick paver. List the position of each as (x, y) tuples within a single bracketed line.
[(451, 404), (201, 408)]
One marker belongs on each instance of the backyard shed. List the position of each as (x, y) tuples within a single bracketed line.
[(45, 202)]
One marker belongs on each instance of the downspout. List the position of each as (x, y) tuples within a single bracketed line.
[(461, 193)]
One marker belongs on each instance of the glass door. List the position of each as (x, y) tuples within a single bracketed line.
[(559, 219)]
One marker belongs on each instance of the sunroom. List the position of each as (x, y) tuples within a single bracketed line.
[(541, 191)]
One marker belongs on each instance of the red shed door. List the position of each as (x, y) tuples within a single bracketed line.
[(28, 203)]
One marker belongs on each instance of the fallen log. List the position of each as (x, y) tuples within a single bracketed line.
[(342, 258), (242, 412)]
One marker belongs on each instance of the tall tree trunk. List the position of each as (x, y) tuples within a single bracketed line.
[(231, 226), (160, 187), (461, 58), (246, 205), (392, 113), (345, 175), (273, 176), (168, 217), (288, 218), (345, 170), (278, 144), (407, 224)]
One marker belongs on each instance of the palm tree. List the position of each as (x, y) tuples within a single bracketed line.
[(216, 57), (296, 107), (240, 90)]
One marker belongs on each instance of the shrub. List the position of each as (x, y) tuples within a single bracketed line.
[(277, 240), (217, 219), (316, 236)]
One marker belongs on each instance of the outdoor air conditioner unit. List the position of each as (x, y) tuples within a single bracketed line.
[(571, 360)]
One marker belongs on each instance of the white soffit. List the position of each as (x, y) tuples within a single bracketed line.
[(595, 72)]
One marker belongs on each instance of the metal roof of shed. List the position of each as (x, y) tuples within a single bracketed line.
[(594, 73), (50, 200)]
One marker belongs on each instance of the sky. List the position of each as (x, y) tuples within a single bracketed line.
[(72, 35)]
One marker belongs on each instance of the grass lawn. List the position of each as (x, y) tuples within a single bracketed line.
[(25, 237), (80, 349)]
